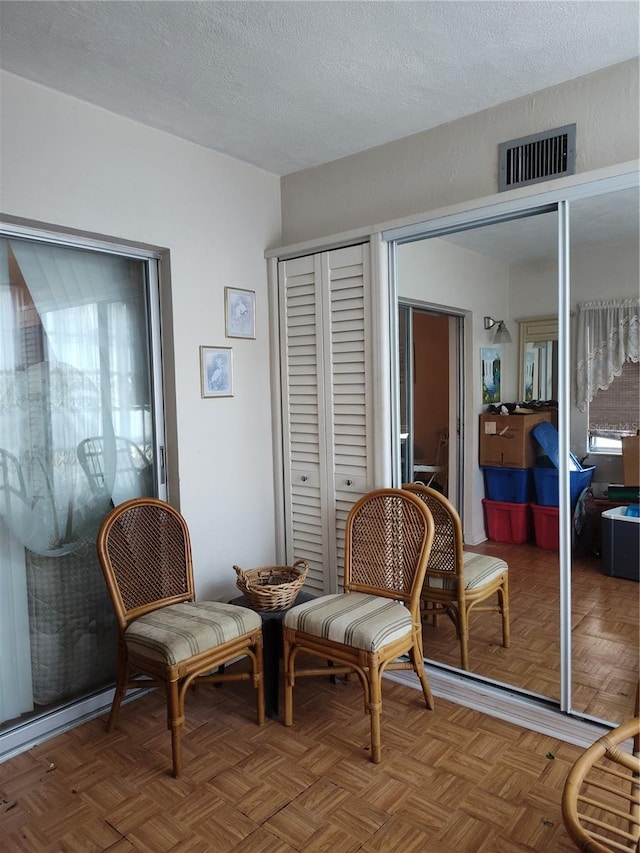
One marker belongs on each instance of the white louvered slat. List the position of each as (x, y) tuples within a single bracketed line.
[(305, 528), (348, 387), (324, 379)]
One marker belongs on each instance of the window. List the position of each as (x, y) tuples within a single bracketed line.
[(79, 431), (615, 411)]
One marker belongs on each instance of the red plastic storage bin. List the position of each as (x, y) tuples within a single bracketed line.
[(546, 522), (507, 522)]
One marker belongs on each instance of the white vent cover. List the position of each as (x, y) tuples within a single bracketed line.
[(535, 158)]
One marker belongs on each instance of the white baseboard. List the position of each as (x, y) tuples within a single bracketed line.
[(537, 714), (43, 728)]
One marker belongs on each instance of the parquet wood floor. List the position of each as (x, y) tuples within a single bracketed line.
[(605, 633), (451, 780)]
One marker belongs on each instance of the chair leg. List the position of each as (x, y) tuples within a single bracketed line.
[(175, 719), (258, 681), (463, 628), (375, 710), (503, 597), (417, 659), (122, 682), (289, 677)]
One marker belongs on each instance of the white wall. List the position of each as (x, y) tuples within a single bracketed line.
[(436, 272), (66, 163), (457, 162)]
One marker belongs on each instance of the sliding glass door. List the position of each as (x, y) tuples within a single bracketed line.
[(78, 434)]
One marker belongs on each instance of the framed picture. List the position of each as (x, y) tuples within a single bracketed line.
[(216, 371), (239, 313), (490, 366)]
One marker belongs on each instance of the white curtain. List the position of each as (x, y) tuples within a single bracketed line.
[(608, 336), (73, 369), (16, 695)]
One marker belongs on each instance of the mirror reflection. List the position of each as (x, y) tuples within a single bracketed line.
[(481, 271), (538, 359)]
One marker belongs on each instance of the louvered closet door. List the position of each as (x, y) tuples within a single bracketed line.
[(325, 360)]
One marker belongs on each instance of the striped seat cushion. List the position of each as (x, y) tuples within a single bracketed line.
[(181, 631), (479, 569), (360, 621)]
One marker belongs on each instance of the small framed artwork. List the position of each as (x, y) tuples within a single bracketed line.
[(490, 365), (240, 313), (216, 371)]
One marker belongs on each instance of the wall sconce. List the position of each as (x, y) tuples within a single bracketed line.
[(502, 335)]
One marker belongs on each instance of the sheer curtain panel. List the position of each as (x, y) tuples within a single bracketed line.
[(76, 436), (607, 338)]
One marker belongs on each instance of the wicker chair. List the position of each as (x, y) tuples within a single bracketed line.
[(458, 581), (376, 620), (132, 470), (164, 634), (601, 796)]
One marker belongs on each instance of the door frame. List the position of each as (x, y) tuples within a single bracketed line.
[(69, 713), (455, 450)]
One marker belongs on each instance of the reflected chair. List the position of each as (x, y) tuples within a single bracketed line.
[(601, 795), (164, 634), (458, 582), (132, 470), (435, 474), (12, 483), (376, 620)]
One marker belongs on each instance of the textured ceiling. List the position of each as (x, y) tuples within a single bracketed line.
[(287, 85)]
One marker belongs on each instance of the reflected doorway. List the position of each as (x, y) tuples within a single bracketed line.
[(430, 396)]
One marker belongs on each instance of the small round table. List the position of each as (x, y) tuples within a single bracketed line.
[(272, 647)]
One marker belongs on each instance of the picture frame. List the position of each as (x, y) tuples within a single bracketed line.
[(216, 371), (239, 313), (491, 373)]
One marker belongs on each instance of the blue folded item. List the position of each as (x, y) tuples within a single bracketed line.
[(633, 510), (547, 437)]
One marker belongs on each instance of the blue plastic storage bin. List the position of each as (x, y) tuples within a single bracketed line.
[(547, 437), (547, 488), (510, 485)]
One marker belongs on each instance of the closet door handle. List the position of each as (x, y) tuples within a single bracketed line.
[(349, 482), (304, 478)]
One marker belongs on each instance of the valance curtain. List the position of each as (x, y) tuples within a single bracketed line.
[(608, 334)]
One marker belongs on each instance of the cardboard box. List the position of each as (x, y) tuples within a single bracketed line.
[(506, 440), (631, 460)]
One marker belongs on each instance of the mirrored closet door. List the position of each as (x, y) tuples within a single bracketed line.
[(573, 615)]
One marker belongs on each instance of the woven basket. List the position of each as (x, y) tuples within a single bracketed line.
[(272, 587)]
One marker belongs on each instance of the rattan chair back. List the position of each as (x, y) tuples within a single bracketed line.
[(601, 796), (447, 587), (446, 557), (386, 546), (145, 554)]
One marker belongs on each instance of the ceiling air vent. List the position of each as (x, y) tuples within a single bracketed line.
[(535, 158)]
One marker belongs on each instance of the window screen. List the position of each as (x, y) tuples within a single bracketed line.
[(615, 412)]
